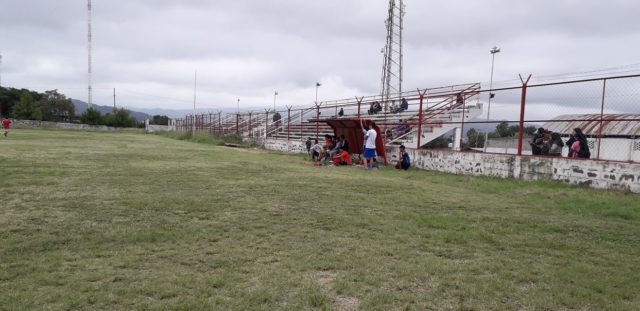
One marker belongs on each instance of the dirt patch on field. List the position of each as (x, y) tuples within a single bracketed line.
[(340, 302)]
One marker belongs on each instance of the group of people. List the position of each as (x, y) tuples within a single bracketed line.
[(376, 107), (549, 143), (334, 150)]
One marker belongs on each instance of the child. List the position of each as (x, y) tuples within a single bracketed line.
[(6, 123), (404, 162)]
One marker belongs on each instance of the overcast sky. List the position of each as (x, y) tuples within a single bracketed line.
[(148, 49)]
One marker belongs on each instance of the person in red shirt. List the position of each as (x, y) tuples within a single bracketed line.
[(6, 123), (342, 158)]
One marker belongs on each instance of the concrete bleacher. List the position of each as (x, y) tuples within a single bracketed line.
[(441, 107)]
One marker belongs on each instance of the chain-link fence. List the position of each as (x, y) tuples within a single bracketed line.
[(594, 118)]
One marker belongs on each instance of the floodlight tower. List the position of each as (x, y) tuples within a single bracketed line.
[(392, 64), (89, 60)]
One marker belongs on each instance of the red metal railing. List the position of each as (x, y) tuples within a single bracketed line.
[(604, 107)]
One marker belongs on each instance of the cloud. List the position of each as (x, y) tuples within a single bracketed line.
[(148, 49)]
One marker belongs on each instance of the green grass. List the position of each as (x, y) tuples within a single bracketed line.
[(121, 221)]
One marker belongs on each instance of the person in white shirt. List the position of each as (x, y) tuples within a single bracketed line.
[(370, 143)]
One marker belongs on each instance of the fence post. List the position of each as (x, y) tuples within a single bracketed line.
[(317, 122), (359, 100), (464, 114), (266, 124), (420, 117), (301, 121), (210, 125), (523, 104), (604, 90), (238, 123), (220, 130), (288, 123), (250, 131)]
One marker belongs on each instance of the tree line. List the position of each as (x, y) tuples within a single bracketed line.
[(53, 106), (30, 105)]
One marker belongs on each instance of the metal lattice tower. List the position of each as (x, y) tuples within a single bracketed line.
[(89, 60), (392, 64)]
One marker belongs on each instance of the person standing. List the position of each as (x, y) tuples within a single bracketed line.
[(370, 143), (6, 124)]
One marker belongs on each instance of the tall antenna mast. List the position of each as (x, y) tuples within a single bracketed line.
[(89, 60), (392, 63)]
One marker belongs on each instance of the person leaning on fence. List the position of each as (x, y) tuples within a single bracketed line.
[(276, 119), (370, 144), (578, 145), (536, 142), (404, 161), (555, 145)]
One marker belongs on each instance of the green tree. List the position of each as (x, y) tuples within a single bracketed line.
[(503, 130), (475, 139), (27, 108), (121, 118), (56, 107), (160, 120), (92, 116)]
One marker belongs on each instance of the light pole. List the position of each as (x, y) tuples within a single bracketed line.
[(195, 85), (274, 100), (493, 52), (317, 86), (238, 105)]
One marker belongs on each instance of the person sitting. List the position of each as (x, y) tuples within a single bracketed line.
[(345, 143), (337, 145), (316, 151), (578, 145), (394, 108), (342, 157), (341, 112), (404, 105), (400, 128), (404, 162), (375, 108), (459, 100), (328, 142), (555, 145)]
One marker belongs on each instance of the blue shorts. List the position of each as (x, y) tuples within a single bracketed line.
[(369, 153)]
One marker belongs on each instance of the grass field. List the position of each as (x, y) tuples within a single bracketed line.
[(121, 221)]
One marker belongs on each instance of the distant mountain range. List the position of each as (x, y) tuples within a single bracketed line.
[(81, 107), (142, 114)]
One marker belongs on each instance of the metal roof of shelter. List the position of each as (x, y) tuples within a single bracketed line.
[(612, 124)]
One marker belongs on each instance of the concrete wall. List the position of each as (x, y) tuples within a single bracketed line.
[(292, 146), (60, 125), (596, 174), (151, 128)]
